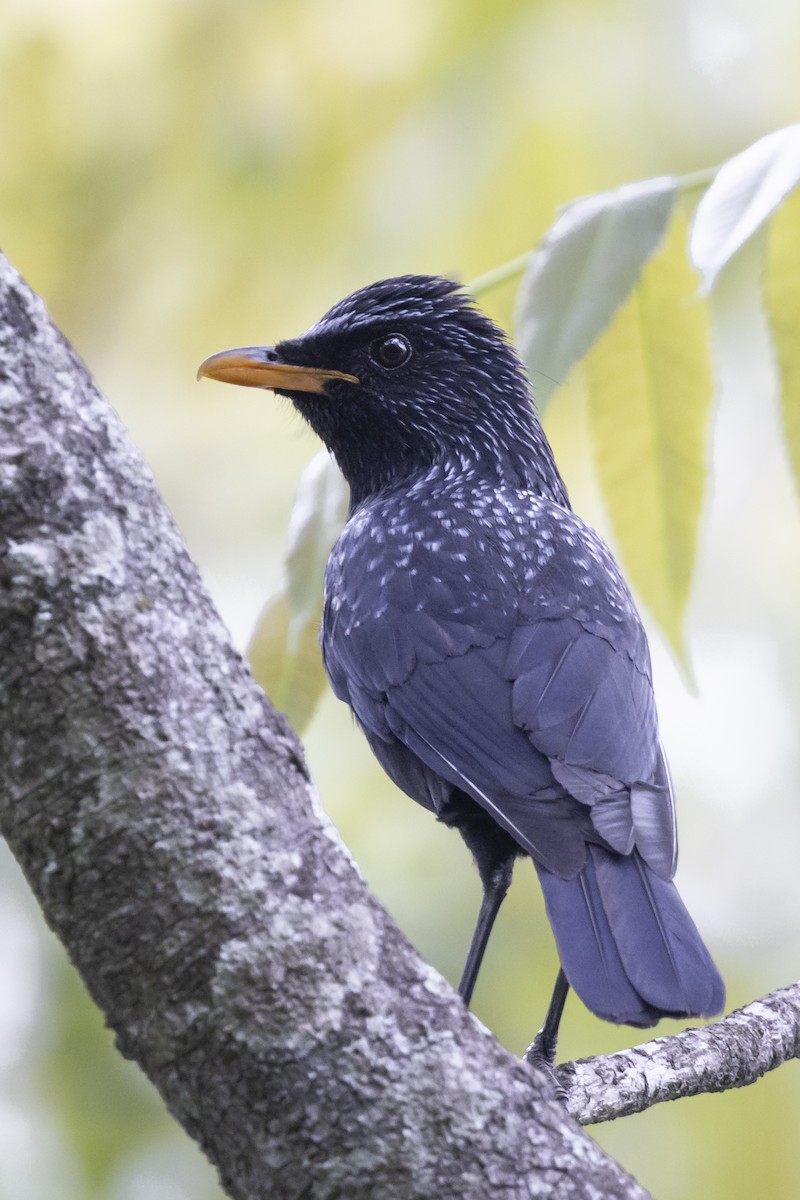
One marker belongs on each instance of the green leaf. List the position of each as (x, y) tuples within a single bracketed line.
[(782, 296), (583, 270), (319, 512), (285, 658), (284, 649), (650, 390), (746, 191)]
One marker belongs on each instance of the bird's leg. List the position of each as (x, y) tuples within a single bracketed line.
[(543, 1048), (494, 852), (495, 885)]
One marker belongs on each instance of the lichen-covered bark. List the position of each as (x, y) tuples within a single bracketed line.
[(163, 814), (733, 1052)]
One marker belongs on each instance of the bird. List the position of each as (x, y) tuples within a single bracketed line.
[(486, 641)]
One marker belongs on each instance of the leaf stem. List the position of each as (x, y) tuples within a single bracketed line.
[(696, 179), (501, 274), (515, 266)]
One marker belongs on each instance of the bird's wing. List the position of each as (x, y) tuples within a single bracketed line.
[(539, 705), (586, 702), (454, 716)]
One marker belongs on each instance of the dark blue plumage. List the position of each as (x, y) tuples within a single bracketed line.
[(486, 642)]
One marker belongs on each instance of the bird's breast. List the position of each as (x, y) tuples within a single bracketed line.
[(426, 575), (435, 562)]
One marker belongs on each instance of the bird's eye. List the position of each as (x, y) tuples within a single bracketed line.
[(391, 351)]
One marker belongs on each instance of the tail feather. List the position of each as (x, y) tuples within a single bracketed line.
[(664, 955), (627, 944), (588, 950)]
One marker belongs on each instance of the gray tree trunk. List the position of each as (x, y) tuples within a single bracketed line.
[(163, 814)]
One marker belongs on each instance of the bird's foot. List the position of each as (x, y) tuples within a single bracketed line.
[(542, 1050), (541, 1054)]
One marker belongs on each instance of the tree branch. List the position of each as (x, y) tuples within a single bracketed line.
[(733, 1052), (164, 817)]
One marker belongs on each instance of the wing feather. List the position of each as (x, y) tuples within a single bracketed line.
[(545, 717)]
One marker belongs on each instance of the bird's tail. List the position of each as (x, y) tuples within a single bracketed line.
[(627, 944)]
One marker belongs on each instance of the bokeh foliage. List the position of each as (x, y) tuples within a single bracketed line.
[(177, 178)]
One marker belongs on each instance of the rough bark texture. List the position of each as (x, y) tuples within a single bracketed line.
[(733, 1052), (163, 814)]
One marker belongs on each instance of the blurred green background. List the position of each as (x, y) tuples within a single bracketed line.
[(179, 177)]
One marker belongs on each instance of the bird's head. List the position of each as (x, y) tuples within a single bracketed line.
[(401, 375)]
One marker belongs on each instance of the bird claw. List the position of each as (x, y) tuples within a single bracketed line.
[(542, 1051), (541, 1054)]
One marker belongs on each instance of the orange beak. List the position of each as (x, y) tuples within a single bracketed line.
[(261, 367)]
